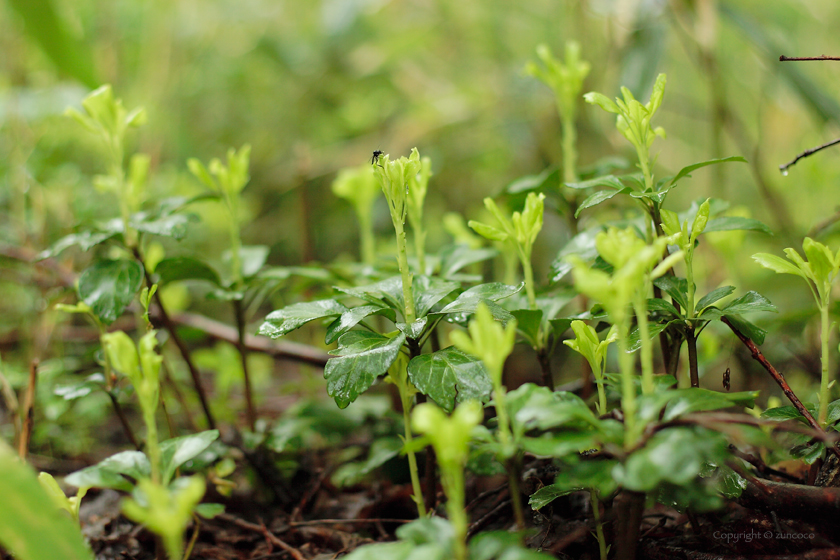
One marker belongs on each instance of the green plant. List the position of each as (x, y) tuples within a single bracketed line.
[(819, 271)]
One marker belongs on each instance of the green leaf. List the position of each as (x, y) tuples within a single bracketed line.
[(588, 474), (751, 331), (597, 198), (86, 240), (252, 258), (778, 264), (468, 300), (455, 257), (283, 321), (713, 296), (733, 223), (783, 413), (185, 268), (582, 245), (173, 225), (674, 455), (683, 401), (177, 451), (685, 171), (501, 545), (528, 322), (606, 181), (353, 317), (46, 26), (382, 450), (663, 306), (634, 341), (559, 445), (749, 302), (488, 232), (362, 357), (534, 407), (543, 182), (388, 290), (602, 101), (109, 286), (675, 287), (450, 376), (209, 511), (548, 494), (91, 383), (429, 290), (109, 472), (31, 526), (415, 329)]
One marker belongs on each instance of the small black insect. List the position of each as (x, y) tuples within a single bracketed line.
[(726, 380), (375, 157)]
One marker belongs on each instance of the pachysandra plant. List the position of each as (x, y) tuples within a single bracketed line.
[(358, 186), (587, 344), (819, 271), (418, 185), (633, 120), (521, 229), (635, 264), (492, 344), (450, 437), (395, 178), (566, 80), (106, 117)]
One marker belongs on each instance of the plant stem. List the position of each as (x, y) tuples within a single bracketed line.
[(544, 359), (420, 246), (529, 280), (646, 353), (825, 336), (691, 342), (239, 314), (412, 458), (152, 448), (599, 527), (569, 152), (123, 420), (506, 439), (628, 390), (402, 261)]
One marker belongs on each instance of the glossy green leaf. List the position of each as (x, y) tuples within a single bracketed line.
[(109, 286), (109, 472), (543, 182), (750, 330), (429, 290), (362, 357), (675, 287), (185, 268), (291, 317), (610, 181), (548, 494), (597, 198), (353, 317), (31, 526), (450, 376), (560, 444), (388, 291), (468, 300), (252, 257), (684, 401), (783, 413), (487, 231), (86, 240), (713, 296), (734, 223), (415, 329), (173, 225), (534, 407), (634, 341), (588, 474), (177, 451), (673, 455), (749, 302), (528, 322)]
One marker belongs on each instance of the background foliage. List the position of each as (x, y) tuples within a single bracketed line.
[(317, 86)]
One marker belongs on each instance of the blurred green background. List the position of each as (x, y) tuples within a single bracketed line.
[(315, 86)]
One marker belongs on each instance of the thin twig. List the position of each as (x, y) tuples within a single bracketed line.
[(28, 411), (806, 153), (263, 530), (784, 58), (780, 380), (347, 521), (129, 433), (239, 315)]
